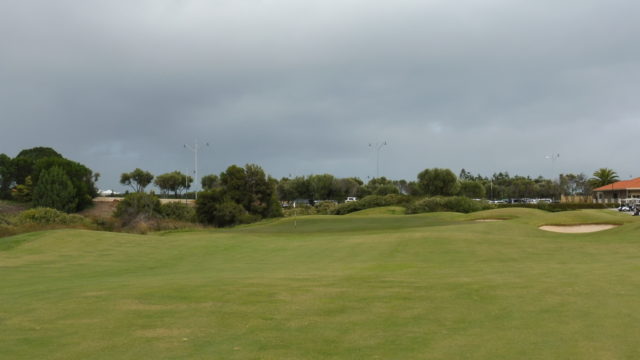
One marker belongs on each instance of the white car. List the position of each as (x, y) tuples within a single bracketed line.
[(351, 199)]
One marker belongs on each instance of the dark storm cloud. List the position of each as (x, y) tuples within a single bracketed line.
[(304, 87)]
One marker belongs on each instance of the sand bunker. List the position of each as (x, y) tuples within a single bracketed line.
[(577, 229)]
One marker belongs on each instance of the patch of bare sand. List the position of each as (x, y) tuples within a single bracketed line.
[(577, 229)]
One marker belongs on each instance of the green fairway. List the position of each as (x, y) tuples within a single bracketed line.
[(370, 285)]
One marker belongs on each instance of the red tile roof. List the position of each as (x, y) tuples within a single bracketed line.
[(621, 185)]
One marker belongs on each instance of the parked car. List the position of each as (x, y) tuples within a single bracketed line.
[(351, 199)]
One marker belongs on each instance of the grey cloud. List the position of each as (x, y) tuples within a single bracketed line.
[(301, 87)]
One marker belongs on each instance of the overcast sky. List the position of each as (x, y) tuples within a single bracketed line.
[(302, 87)]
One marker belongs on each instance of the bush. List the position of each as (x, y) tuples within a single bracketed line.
[(556, 207), (325, 207), (450, 203), (178, 211), (54, 190), (4, 220), (48, 216), (138, 206), (214, 207), (371, 201)]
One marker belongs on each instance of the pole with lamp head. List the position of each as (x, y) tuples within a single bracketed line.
[(378, 147), (195, 149)]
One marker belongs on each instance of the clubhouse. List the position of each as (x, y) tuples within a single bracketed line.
[(618, 191)]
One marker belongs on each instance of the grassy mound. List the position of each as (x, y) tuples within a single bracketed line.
[(371, 285), (385, 210)]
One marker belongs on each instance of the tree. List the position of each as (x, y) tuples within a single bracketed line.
[(380, 186), (80, 176), (347, 187), (38, 153), (321, 186), (6, 176), (465, 175), (24, 163), (216, 208), (136, 206), (437, 181), (210, 182), (138, 179), (575, 184), (603, 176), (251, 188), (174, 181), (260, 192), (472, 189), (521, 187), (55, 190)]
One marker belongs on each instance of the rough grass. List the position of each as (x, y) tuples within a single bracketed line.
[(12, 207), (430, 286)]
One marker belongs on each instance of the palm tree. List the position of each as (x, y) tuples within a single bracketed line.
[(603, 176)]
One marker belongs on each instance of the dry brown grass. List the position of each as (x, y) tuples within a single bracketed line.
[(12, 207)]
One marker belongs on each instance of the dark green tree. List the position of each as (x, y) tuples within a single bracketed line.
[(6, 176), (472, 189), (234, 181), (438, 181), (214, 207), (210, 182), (322, 186), (380, 186), (55, 190), (138, 179), (347, 187), (260, 191), (251, 188), (80, 176), (24, 163)]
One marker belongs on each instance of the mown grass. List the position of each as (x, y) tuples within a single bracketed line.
[(370, 285)]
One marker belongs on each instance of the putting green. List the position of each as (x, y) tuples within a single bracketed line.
[(372, 285)]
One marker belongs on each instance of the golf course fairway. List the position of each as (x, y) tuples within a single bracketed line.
[(371, 285)]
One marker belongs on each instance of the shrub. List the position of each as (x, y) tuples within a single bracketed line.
[(325, 207), (230, 213), (216, 208), (48, 216), (556, 207), (4, 220), (371, 201), (450, 203), (54, 190), (138, 206), (178, 211)]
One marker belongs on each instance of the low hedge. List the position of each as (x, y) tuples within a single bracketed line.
[(557, 207), (371, 201), (460, 204), (178, 211), (48, 216)]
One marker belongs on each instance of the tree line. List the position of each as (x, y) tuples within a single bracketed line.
[(45, 178), (243, 194)]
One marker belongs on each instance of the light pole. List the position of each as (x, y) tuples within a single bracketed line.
[(553, 158), (378, 146), (195, 149)]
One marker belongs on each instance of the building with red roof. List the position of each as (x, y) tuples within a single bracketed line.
[(618, 191)]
